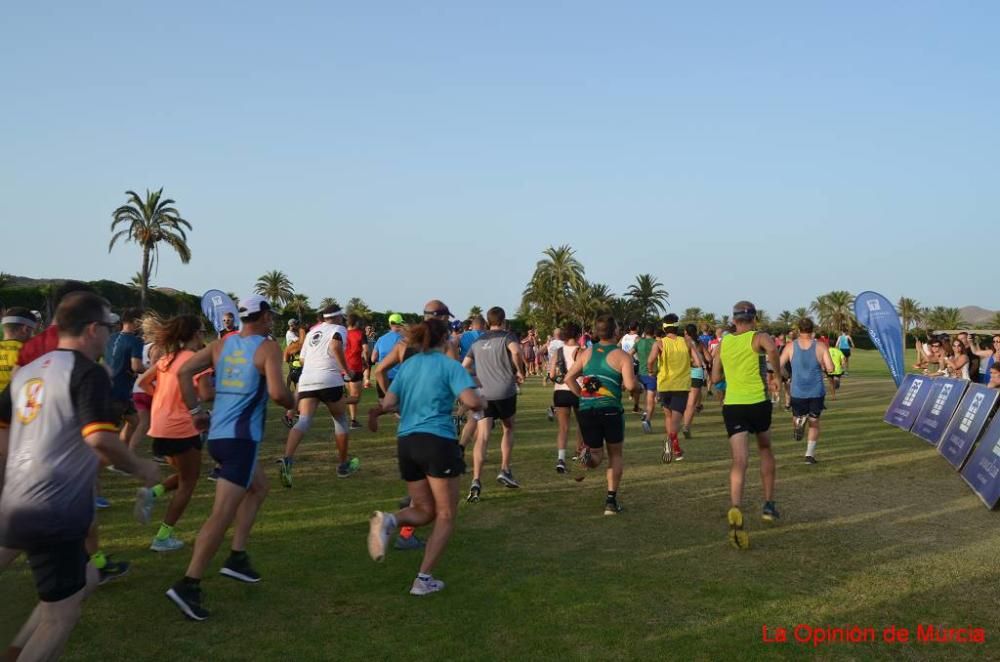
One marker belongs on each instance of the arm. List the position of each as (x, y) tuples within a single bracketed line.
[(268, 361), (394, 357), (823, 355), (628, 374), (388, 404), (717, 374), (786, 356), (654, 354), (146, 380), (515, 353), (202, 360), (696, 359), (336, 350), (292, 349), (110, 448), (765, 344)]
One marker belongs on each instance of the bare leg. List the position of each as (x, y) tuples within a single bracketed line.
[(188, 466), (337, 409), (307, 407), (506, 443), (767, 469), (738, 467), (141, 429), (562, 434), (354, 389), (479, 453), (247, 512), (445, 493), (228, 498), (616, 465), (47, 630), (468, 432)]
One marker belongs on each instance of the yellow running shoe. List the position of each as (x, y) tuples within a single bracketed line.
[(738, 538)]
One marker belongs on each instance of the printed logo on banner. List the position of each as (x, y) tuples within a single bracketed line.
[(874, 305), (970, 413), (911, 393), (961, 434), (943, 400), (908, 401)]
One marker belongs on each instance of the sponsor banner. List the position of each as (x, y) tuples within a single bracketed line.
[(982, 471), (908, 402), (942, 401), (967, 424), (879, 316)]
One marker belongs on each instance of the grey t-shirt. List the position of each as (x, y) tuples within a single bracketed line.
[(494, 367)]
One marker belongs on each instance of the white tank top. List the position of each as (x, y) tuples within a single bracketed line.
[(569, 355), (628, 342), (319, 369), (145, 366)]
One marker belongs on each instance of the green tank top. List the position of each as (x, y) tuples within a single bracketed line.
[(746, 370), (601, 384), (643, 347)]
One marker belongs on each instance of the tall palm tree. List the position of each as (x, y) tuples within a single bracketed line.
[(800, 313), (940, 318), (709, 319), (299, 303), (649, 295), (327, 302), (357, 306), (834, 310), (692, 315), (763, 317), (557, 275), (786, 319), (276, 287), (910, 312), (149, 223), (474, 311), (591, 300)]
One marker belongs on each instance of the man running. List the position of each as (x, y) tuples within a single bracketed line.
[(382, 348), (356, 354), (603, 370), (499, 368), (56, 420), (248, 370), (322, 381), (673, 381), (123, 359), (642, 348), (809, 360), (18, 325), (747, 410), (839, 361), (845, 343), (627, 343)]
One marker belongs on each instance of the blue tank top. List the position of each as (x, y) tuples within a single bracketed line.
[(240, 392), (807, 374)]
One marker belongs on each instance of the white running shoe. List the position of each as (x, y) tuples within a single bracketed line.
[(378, 535), (166, 544), (144, 502), (426, 586)]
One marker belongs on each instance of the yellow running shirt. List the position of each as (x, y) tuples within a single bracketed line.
[(675, 365), (746, 370), (9, 350)]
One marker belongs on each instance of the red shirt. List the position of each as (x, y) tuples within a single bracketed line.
[(353, 349), (45, 342)]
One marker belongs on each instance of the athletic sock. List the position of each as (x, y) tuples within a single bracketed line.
[(390, 521), (191, 581), (406, 532), (811, 448), (99, 559), (237, 556), (165, 532), (423, 576), (612, 495), (158, 490), (562, 454)]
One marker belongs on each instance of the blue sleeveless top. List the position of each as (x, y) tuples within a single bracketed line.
[(240, 392), (807, 374)]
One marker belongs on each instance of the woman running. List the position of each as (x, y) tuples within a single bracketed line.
[(564, 400), (430, 459), (175, 436), (697, 381)]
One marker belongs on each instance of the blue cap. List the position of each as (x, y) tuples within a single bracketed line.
[(456, 325)]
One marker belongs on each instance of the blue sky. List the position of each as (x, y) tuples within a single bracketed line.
[(403, 151)]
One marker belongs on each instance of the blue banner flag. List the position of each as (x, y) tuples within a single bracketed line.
[(215, 304), (878, 315)]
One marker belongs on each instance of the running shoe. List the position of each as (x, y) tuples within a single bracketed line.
[(560, 466), (407, 544), (187, 597), (647, 427), (101, 503), (686, 432), (770, 513), (215, 473), (166, 544), (115, 470), (678, 452), (426, 586), (811, 460), (378, 535), (345, 469), (474, 491), (738, 538), (285, 471), (612, 507), (239, 568), (799, 428), (506, 478), (112, 570), (550, 414), (144, 502), (668, 453), (355, 425)]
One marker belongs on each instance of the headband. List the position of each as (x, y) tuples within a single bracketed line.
[(11, 319)]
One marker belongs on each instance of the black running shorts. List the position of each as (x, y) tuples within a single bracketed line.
[(60, 569), (502, 409), (237, 459), (326, 395), (755, 418), (562, 398), (422, 455), (811, 407), (674, 400), (601, 426), (167, 447)]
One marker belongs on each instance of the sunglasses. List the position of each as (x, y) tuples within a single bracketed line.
[(437, 313)]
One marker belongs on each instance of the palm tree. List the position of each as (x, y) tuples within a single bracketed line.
[(648, 293), (357, 306), (591, 300), (327, 302), (763, 317), (994, 322), (909, 311), (556, 277), (276, 287), (786, 319), (136, 281), (299, 303), (691, 315), (708, 319), (940, 318), (834, 310), (801, 313), (474, 311), (148, 223)]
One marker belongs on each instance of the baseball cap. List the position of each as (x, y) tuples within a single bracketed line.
[(292, 321), (456, 325), (252, 304), (395, 318)]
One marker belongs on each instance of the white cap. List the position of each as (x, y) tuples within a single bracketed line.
[(254, 303)]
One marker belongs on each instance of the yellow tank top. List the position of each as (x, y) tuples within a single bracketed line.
[(675, 365), (746, 370), (9, 350)]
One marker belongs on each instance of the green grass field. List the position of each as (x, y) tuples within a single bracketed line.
[(883, 531)]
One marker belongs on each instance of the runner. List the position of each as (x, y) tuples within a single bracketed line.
[(494, 355), (528, 349), (642, 348), (845, 343), (248, 369), (56, 420), (627, 343), (174, 435), (430, 460), (141, 401), (673, 381), (383, 347), (553, 347), (747, 410), (563, 398), (322, 381), (476, 326), (603, 370), (698, 378), (809, 361), (18, 325), (839, 363), (123, 359), (356, 353)]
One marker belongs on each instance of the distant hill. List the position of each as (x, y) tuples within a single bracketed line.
[(976, 315)]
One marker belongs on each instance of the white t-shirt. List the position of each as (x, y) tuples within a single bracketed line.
[(319, 369), (290, 337), (628, 342), (145, 366)]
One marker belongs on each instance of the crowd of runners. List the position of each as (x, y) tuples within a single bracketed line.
[(87, 390)]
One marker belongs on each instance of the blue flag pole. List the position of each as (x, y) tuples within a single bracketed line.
[(879, 317)]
